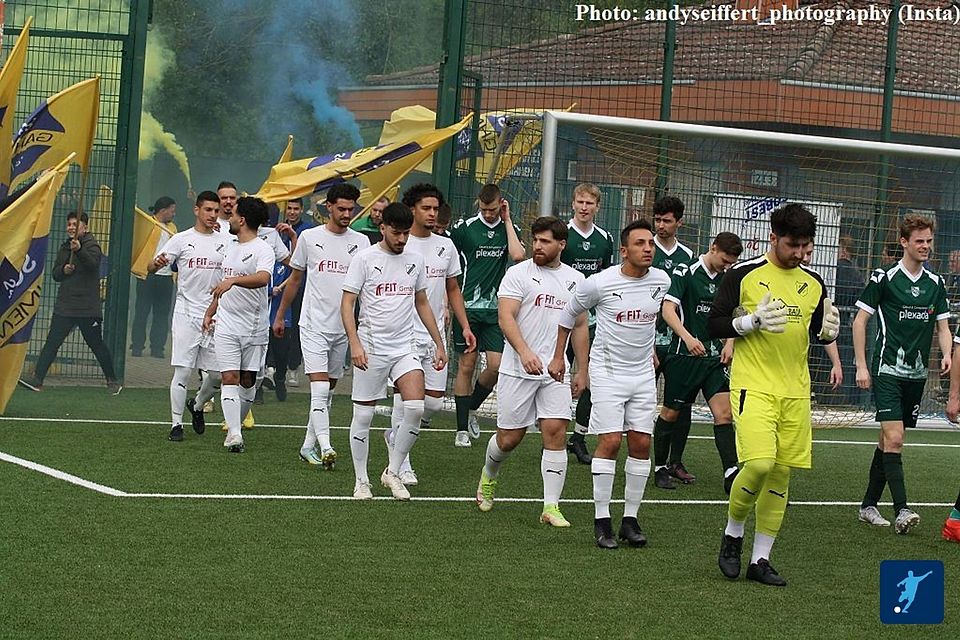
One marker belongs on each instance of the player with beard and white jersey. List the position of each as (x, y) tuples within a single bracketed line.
[(532, 297), (196, 254), (627, 298), (240, 308), (323, 255), (391, 286), (442, 268)]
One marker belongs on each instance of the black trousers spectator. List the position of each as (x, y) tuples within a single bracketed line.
[(279, 351), (296, 355), (90, 329), (154, 296)]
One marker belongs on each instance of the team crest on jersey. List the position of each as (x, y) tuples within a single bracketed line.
[(585, 245), (656, 292), (668, 264), (712, 288), (246, 257), (441, 251), (411, 268), (571, 285), (351, 249), (490, 233), (915, 292), (221, 249), (803, 288)]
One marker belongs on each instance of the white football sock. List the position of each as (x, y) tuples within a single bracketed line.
[(495, 457), (762, 545), (580, 429), (396, 415), (734, 527), (603, 471), (553, 470), (320, 414), (246, 399), (178, 393), (430, 406), (208, 388), (406, 435), (637, 471), (230, 405), (360, 440)]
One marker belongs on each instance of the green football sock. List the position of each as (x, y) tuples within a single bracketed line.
[(725, 439), (876, 482), (661, 442), (678, 438), (893, 470)]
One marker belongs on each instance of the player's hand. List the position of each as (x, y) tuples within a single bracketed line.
[(726, 354), (161, 261), (831, 322), (222, 288), (656, 361), (945, 365), (579, 384), (208, 322), (771, 315), (557, 368), (694, 346), (504, 210), (531, 363), (286, 229), (863, 378), (953, 408), (68, 269), (358, 357), (278, 327), (470, 339), (836, 377), (439, 358)]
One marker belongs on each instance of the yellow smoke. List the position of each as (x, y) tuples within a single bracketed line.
[(153, 137)]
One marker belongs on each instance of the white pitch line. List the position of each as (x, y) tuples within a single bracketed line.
[(62, 475), (870, 443), (110, 491)]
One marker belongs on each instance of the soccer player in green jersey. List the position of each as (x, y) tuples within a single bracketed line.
[(771, 305), (669, 439), (694, 363), (488, 243), (589, 250), (907, 300)]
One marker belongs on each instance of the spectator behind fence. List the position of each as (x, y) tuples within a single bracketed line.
[(77, 269), (155, 292), (849, 285)]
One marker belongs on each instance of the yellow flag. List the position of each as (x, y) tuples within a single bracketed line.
[(406, 122), (379, 167), (63, 124), (146, 235), (286, 156), (100, 217), (9, 86), (24, 231)]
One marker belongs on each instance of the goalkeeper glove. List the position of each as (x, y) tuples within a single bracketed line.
[(831, 322), (770, 316)]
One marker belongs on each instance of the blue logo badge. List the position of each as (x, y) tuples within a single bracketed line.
[(911, 592)]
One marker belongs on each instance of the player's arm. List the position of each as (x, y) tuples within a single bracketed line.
[(290, 288), (357, 353), (507, 310), (514, 246), (836, 370), (251, 281), (723, 323), (860, 347), (422, 305), (581, 350), (945, 340), (455, 302), (672, 318), (953, 399), (210, 313), (167, 254), (586, 297)]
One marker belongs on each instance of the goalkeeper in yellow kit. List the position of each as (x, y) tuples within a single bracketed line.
[(771, 305)]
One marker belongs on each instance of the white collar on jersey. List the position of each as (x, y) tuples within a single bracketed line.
[(583, 234), (669, 252), (711, 274), (913, 278), (484, 221)]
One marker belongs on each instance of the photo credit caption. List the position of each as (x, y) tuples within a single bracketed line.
[(872, 13)]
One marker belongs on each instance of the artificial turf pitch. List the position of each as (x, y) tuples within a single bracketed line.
[(80, 563)]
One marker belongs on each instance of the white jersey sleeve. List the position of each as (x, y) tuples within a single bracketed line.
[(586, 297)]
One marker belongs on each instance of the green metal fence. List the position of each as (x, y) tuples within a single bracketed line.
[(71, 41)]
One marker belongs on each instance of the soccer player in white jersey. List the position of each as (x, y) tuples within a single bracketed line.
[(391, 285), (627, 298), (323, 255), (532, 297), (196, 254), (241, 309), (442, 268)]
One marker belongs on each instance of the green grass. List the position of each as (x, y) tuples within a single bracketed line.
[(76, 563)]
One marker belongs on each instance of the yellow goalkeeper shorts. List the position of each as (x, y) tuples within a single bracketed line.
[(769, 426)]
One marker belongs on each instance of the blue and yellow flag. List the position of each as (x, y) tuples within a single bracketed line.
[(379, 167), (147, 232), (62, 125), (9, 87), (24, 229)]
